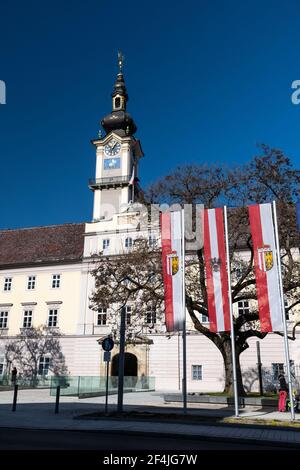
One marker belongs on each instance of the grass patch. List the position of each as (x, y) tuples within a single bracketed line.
[(262, 422)]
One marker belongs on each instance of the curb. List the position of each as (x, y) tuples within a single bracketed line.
[(172, 435)]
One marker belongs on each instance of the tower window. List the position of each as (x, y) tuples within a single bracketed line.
[(118, 102)]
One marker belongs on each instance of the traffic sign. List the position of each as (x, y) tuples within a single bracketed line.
[(107, 356), (108, 344)]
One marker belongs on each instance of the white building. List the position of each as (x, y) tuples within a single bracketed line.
[(45, 279)]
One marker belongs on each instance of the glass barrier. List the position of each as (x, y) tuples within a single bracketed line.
[(81, 385)]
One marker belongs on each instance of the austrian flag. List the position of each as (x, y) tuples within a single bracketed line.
[(216, 273), (266, 268), (171, 238)]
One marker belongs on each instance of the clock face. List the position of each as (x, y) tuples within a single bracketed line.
[(112, 163), (113, 147)]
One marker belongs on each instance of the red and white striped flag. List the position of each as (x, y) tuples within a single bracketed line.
[(171, 237), (266, 268), (216, 273)]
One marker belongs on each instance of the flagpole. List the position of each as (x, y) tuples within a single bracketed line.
[(286, 342), (235, 389), (184, 375)]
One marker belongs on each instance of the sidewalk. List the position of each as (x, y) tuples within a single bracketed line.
[(35, 410)]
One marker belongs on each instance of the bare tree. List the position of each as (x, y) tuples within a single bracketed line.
[(137, 277), (30, 346)]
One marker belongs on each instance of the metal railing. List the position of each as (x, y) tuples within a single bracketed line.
[(94, 182)]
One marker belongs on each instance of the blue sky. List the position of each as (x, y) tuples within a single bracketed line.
[(208, 80)]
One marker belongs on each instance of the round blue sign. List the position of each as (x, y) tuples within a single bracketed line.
[(108, 344)]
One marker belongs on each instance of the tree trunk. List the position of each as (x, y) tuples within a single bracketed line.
[(227, 356)]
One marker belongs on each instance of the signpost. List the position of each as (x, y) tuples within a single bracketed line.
[(107, 345)]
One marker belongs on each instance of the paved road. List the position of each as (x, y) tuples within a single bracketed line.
[(18, 439)]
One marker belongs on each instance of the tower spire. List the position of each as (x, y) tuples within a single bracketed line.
[(119, 120), (120, 61)]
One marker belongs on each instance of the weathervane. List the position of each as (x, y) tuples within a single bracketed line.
[(120, 60)]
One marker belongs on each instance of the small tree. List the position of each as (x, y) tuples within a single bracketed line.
[(30, 346)]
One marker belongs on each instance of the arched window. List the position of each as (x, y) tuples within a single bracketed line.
[(117, 102)]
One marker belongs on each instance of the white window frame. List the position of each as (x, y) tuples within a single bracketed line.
[(51, 316), (242, 308), (27, 317), (197, 376), (56, 281), (4, 318), (105, 243), (31, 282), (152, 240), (44, 360), (204, 318), (101, 313), (150, 315), (7, 284), (128, 243)]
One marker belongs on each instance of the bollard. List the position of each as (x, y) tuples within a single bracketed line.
[(57, 399), (14, 407)]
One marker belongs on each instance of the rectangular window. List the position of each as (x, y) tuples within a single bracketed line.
[(128, 315), (7, 284), (44, 365), (128, 242), (55, 281), (243, 307), (196, 372), (27, 319), (3, 319), (150, 316), (102, 316), (204, 318), (31, 283), (105, 243), (53, 317), (152, 241)]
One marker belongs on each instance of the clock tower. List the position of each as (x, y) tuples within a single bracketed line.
[(117, 157)]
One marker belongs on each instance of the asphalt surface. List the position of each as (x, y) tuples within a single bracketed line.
[(27, 439)]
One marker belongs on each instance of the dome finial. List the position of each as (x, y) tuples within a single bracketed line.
[(120, 61)]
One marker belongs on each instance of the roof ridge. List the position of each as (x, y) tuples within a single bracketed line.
[(40, 227)]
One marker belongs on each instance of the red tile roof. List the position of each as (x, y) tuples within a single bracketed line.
[(40, 245)]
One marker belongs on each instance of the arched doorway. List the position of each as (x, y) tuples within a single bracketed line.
[(130, 369)]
